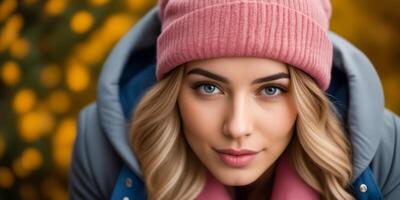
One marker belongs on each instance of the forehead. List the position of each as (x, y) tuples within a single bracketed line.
[(231, 66)]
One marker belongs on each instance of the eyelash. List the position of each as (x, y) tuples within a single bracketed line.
[(282, 89)]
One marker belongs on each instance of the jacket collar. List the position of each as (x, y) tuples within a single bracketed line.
[(287, 185), (365, 109)]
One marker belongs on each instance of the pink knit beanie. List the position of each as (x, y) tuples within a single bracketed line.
[(290, 31)]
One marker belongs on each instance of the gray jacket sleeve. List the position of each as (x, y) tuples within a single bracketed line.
[(386, 163), (393, 186), (94, 165)]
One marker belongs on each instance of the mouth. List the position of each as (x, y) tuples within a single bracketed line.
[(236, 158)]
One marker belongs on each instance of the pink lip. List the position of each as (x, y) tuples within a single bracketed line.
[(237, 158)]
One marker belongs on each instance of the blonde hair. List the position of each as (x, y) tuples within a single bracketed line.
[(320, 150), (170, 168)]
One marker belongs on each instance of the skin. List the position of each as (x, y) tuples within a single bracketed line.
[(238, 115)]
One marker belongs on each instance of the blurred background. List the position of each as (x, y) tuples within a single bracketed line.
[(51, 54)]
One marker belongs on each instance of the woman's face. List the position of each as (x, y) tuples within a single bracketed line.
[(237, 104)]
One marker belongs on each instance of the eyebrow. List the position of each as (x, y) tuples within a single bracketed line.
[(225, 80)]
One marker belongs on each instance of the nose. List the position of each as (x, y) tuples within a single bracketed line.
[(238, 123)]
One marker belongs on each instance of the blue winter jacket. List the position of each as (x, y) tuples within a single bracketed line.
[(104, 167)]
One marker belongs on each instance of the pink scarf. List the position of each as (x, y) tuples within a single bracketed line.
[(287, 185)]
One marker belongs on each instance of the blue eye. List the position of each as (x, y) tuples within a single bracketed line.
[(207, 88), (271, 91)]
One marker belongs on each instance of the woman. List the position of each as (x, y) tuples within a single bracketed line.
[(251, 100), (227, 110)]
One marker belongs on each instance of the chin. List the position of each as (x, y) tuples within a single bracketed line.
[(235, 177)]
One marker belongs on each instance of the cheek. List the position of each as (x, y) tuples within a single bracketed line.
[(199, 119), (277, 123)]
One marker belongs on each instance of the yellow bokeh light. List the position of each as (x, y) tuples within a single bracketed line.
[(19, 48), (53, 189), (6, 178), (78, 77), (50, 75), (2, 145), (91, 52), (60, 193), (117, 25), (35, 124), (31, 159), (98, 2), (10, 31), (59, 101), (81, 22), (18, 169), (10, 73), (7, 7), (48, 121), (29, 127), (54, 7), (24, 101), (114, 27), (63, 142), (137, 5)]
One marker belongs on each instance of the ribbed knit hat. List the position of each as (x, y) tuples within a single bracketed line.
[(290, 31)]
